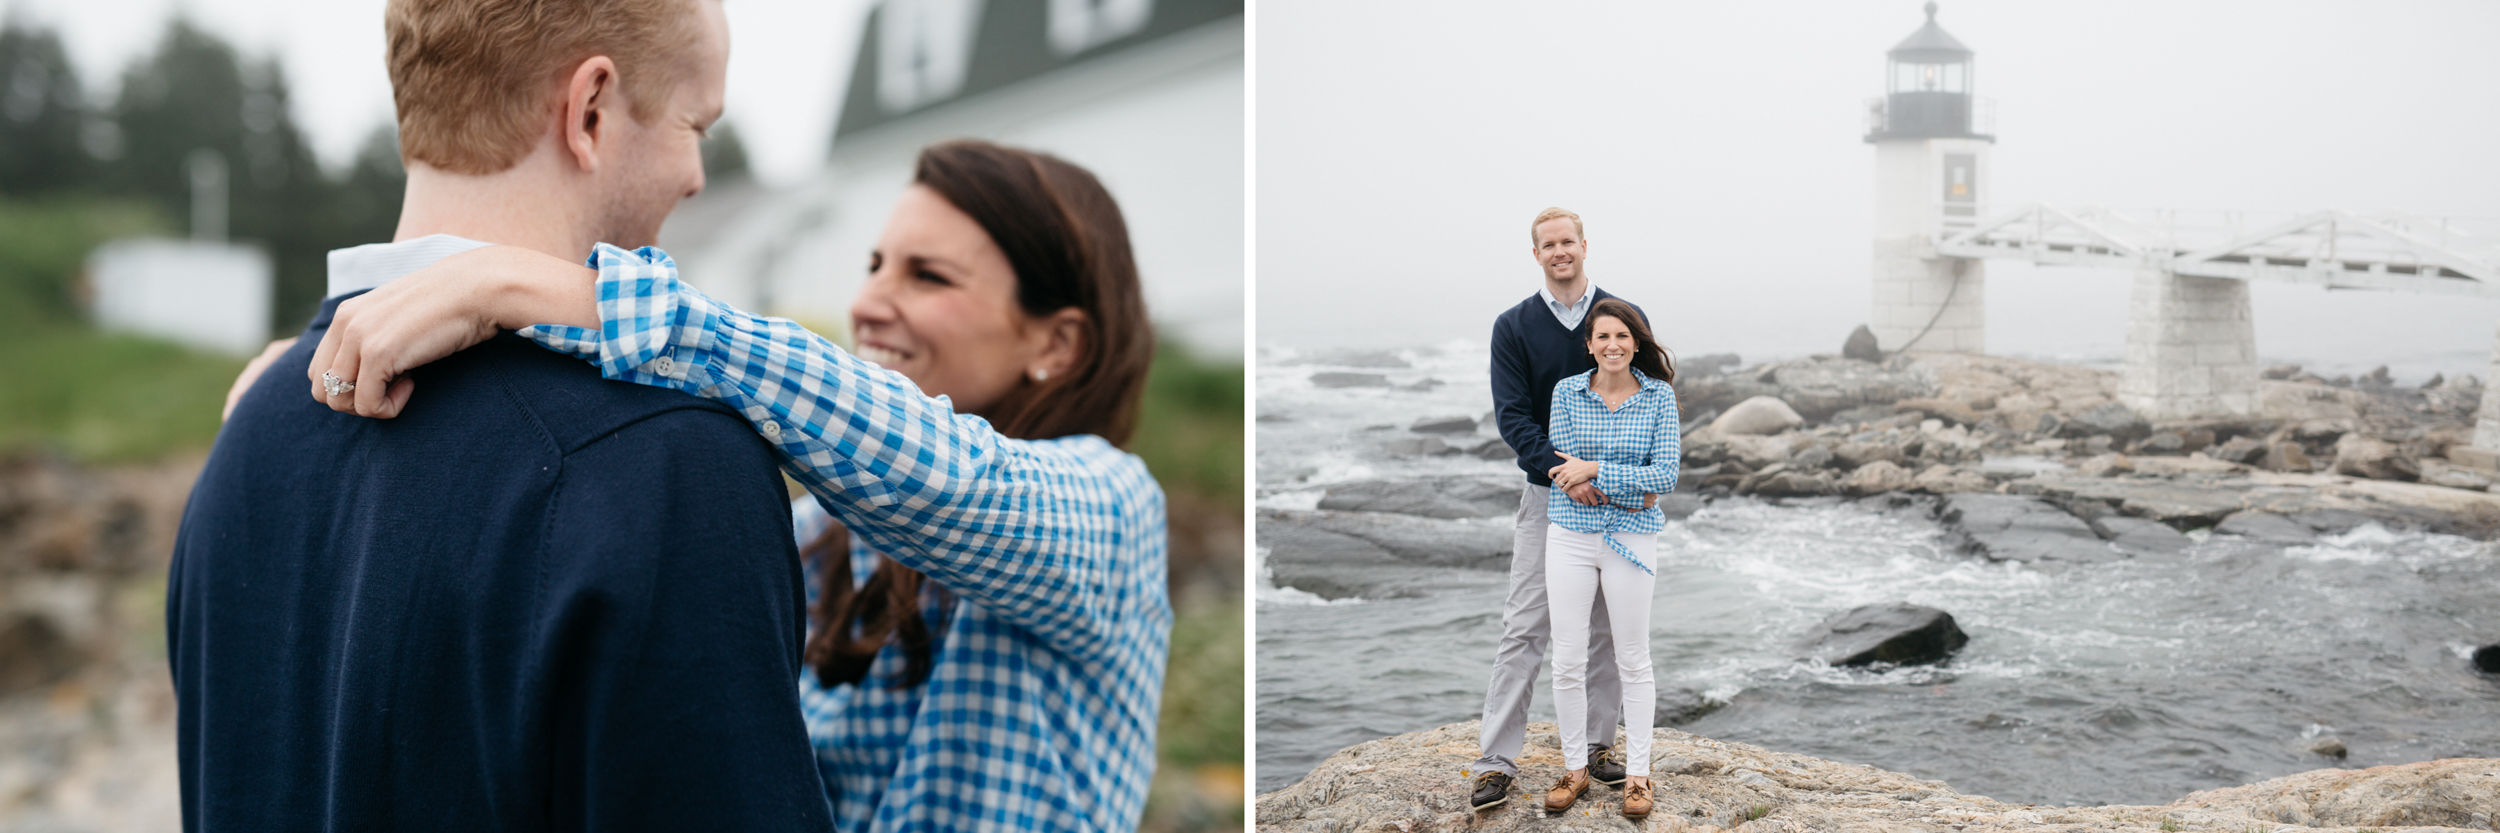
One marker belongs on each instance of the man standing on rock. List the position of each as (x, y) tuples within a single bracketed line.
[(1535, 345)]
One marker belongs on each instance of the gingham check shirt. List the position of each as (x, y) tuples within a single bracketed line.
[(1638, 447), (1039, 712)]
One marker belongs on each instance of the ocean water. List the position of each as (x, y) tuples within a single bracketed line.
[(2131, 682)]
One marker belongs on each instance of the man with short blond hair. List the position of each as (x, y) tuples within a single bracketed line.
[(537, 600), (1536, 344)]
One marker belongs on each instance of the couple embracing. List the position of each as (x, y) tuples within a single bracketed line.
[(1582, 393), (502, 541)]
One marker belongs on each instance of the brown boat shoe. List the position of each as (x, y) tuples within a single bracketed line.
[(1566, 791), (1636, 802)]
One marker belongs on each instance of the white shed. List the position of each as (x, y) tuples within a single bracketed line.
[(201, 294)]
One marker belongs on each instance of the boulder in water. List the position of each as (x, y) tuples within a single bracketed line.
[(1899, 633), (2020, 528), (1335, 379), (1759, 415), (2279, 372), (1444, 425), (1861, 346), (2266, 526), (2487, 658), (1436, 498), (2140, 537), (1419, 447)]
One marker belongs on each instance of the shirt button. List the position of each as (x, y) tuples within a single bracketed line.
[(772, 429), (662, 365)]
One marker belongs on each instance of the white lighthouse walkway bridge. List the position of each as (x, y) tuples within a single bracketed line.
[(2333, 249), (2191, 346)]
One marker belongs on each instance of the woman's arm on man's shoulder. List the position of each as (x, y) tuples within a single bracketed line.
[(1044, 533)]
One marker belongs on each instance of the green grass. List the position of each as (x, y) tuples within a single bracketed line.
[(1202, 707), (91, 396), (1189, 429), (1756, 812), (2170, 826)]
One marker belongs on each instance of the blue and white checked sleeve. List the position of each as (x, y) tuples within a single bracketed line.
[(1666, 454), (1028, 528)]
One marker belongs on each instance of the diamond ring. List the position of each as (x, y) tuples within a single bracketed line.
[(331, 382)]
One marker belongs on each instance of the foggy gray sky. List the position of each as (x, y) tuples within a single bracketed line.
[(788, 61), (1715, 150)]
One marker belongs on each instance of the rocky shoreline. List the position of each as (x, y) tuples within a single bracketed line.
[(1417, 782), (2017, 460)]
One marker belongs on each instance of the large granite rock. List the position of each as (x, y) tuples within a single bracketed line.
[(1757, 416), (2019, 528), (2361, 456), (1899, 633), (2139, 537), (2112, 420), (1379, 555), (1418, 783), (1447, 498), (1861, 346), (1875, 478), (1817, 388)]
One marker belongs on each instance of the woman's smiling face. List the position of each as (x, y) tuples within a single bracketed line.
[(1611, 343), (940, 307)]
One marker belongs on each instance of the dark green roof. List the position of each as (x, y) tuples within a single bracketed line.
[(1930, 44)]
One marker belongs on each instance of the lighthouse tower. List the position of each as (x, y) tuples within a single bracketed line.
[(1931, 169)]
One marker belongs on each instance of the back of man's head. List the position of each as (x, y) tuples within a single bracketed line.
[(477, 81)]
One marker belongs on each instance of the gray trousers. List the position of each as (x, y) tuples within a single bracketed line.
[(1526, 633)]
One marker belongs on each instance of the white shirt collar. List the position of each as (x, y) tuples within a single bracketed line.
[(1569, 316), (374, 264)]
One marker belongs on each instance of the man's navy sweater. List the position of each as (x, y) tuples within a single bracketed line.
[(1531, 352), (538, 600)]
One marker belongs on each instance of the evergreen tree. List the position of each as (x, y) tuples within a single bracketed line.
[(195, 93), (42, 111)]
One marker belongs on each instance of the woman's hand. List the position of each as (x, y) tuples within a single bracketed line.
[(251, 373), (1573, 472), (376, 338)]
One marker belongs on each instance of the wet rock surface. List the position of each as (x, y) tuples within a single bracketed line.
[(1445, 498), (1418, 782), (2018, 528), (1898, 633), (1378, 555)]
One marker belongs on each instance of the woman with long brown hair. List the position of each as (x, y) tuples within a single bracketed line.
[(1616, 428), (988, 602)]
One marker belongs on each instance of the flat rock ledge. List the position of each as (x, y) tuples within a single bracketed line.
[(1417, 782)]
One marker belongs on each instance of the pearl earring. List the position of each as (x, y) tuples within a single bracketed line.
[(1041, 374)]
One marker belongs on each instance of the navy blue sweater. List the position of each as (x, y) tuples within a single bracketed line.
[(538, 600), (1532, 351)]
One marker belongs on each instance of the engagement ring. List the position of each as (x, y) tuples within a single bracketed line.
[(330, 382)]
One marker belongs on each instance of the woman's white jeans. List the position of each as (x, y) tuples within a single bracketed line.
[(1578, 566)]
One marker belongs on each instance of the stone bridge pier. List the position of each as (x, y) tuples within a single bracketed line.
[(1926, 303), (2192, 348), (2485, 451)]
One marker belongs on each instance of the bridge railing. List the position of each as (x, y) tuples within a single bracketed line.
[(2333, 248)]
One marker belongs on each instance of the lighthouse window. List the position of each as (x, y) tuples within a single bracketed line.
[(1931, 78)]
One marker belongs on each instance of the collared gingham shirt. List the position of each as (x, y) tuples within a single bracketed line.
[(1039, 711), (1638, 447)]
